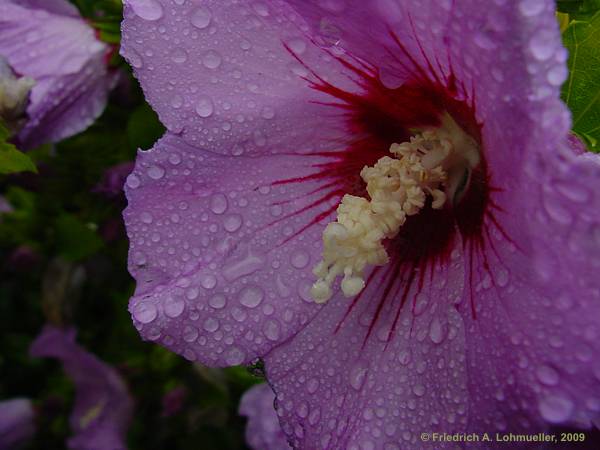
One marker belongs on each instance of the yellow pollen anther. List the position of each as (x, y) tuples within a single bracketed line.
[(398, 187)]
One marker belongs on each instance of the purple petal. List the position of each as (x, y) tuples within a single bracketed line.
[(262, 431), (225, 76), (222, 273), (16, 423), (342, 382), (60, 52), (103, 406), (531, 346)]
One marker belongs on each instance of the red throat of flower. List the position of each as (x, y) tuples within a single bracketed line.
[(377, 117)]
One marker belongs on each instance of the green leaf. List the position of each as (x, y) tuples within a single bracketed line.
[(74, 239), (11, 159), (581, 92), (578, 9)]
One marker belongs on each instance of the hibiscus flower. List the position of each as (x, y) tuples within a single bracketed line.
[(103, 405), (377, 199), (54, 80)]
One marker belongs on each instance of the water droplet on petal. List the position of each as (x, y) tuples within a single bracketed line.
[(211, 325), (173, 307), (145, 312), (146, 9), (217, 301), (547, 375), (200, 18), (556, 408), (211, 59), (232, 222), (272, 329), (251, 296), (190, 333), (234, 356), (179, 56), (436, 331), (357, 376), (156, 172), (218, 203), (133, 181), (204, 107)]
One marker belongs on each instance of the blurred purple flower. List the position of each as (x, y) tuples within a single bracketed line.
[(113, 179), (17, 423), (263, 431), (486, 316), (103, 406), (5, 206), (48, 45)]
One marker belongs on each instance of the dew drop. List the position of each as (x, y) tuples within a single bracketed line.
[(156, 172), (177, 101), (218, 203), (232, 222), (217, 301), (234, 356), (211, 325), (251, 296), (145, 312), (200, 18), (133, 181), (300, 259), (147, 9), (179, 56), (190, 333), (272, 329), (173, 307), (547, 375), (204, 107), (556, 408), (436, 331), (211, 59), (357, 377)]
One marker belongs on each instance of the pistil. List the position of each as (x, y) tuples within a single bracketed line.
[(398, 187)]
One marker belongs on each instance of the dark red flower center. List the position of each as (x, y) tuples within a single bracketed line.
[(377, 117)]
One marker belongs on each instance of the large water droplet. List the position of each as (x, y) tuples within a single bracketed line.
[(211, 59), (547, 375), (190, 333), (436, 331), (217, 301), (173, 307), (146, 9), (272, 329), (556, 408), (145, 312), (133, 181), (204, 107), (218, 203), (156, 172), (200, 18), (211, 325), (251, 296), (179, 56)]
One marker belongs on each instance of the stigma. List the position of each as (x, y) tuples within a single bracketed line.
[(432, 170)]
